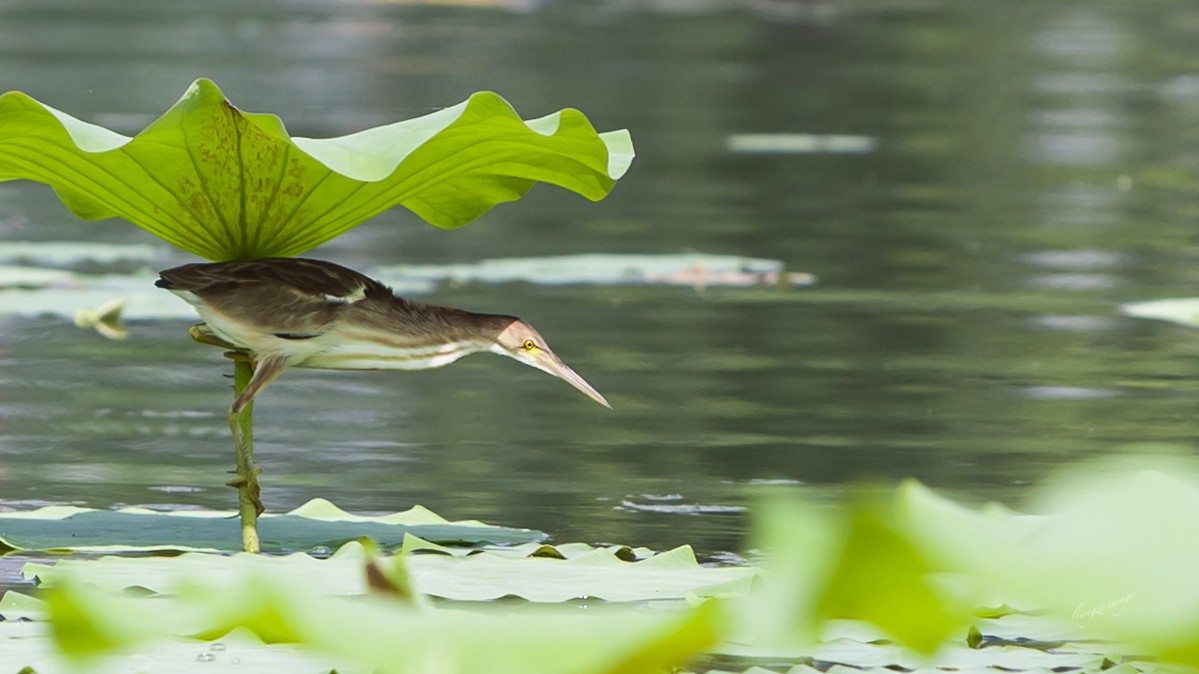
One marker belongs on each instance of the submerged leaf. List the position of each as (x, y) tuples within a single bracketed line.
[(226, 184)]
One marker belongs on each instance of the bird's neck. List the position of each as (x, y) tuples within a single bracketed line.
[(435, 324), (427, 336)]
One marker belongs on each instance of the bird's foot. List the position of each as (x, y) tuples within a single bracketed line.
[(203, 334), (246, 481), (253, 489)]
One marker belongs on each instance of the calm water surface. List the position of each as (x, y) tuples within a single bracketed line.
[(1028, 169)]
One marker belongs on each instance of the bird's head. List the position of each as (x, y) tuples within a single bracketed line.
[(518, 340)]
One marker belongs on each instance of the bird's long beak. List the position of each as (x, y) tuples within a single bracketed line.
[(546, 361)]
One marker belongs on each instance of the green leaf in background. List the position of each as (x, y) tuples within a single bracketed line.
[(686, 269), (225, 184), (40, 291), (317, 523)]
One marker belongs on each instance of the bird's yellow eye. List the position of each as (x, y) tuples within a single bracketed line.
[(530, 345)]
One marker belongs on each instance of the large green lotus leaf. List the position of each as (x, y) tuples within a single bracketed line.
[(482, 576), (317, 523), (226, 184), (382, 634)]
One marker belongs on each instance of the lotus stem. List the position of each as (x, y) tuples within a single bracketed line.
[(241, 425)]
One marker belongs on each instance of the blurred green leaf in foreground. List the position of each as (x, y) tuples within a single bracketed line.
[(1111, 553)]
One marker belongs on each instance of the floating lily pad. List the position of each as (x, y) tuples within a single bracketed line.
[(849, 655), (26, 291), (598, 574), (317, 523), (608, 269), (30, 645), (1183, 311), (70, 253), (483, 576), (17, 606), (412, 544), (12, 276), (799, 143), (50, 292)]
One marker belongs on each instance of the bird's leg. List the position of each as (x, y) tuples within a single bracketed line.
[(249, 380), (265, 372), (240, 423), (203, 334)]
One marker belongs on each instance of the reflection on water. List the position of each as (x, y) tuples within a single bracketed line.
[(1023, 174)]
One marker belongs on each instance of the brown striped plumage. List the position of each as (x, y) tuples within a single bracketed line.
[(294, 312)]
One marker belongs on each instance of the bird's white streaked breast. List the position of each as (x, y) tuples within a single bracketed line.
[(375, 356), (259, 342), (237, 334)]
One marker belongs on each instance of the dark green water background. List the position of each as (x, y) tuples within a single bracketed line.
[(1035, 166)]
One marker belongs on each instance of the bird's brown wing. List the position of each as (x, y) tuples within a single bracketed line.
[(311, 277), (295, 297)]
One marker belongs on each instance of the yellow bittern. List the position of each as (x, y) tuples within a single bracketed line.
[(281, 313), (294, 312)]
